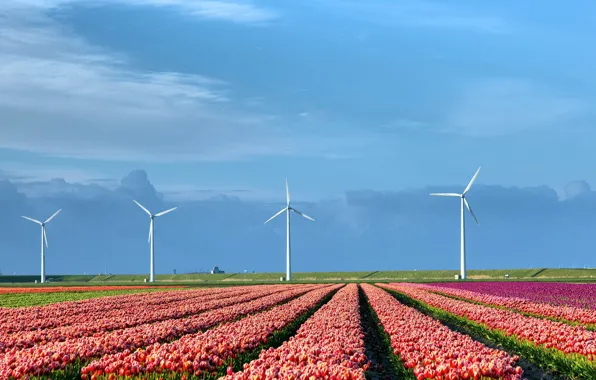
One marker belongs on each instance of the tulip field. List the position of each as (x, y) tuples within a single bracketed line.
[(442, 331), (15, 297)]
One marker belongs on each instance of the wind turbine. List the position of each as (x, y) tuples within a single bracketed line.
[(151, 236), (44, 242), (464, 201), (287, 209)]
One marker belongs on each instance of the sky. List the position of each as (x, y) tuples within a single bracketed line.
[(365, 107)]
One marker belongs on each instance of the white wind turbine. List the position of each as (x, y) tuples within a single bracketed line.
[(44, 242), (464, 201), (287, 209), (151, 236)]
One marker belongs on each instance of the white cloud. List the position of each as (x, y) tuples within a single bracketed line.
[(237, 11), (65, 97), (185, 193), (19, 173), (500, 106)]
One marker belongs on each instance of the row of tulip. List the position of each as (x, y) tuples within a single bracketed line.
[(24, 300), (556, 294), (54, 289), (432, 350), (564, 313), (206, 352), (44, 358), (129, 317), (542, 332), (68, 313), (329, 345)]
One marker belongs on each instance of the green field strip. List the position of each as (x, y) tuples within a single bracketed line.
[(328, 276), (531, 274), (538, 272), (368, 275), (567, 273)]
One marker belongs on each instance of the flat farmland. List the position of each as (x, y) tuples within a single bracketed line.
[(225, 279), (396, 330)]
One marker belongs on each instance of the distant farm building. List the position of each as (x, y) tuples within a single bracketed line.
[(216, 270)]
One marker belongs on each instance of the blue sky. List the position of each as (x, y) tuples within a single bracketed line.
[(334, 94), (231, 97)]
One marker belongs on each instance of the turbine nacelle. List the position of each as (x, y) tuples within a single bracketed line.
[(289, 209), (462, 196), (152, 216), (43, 225)]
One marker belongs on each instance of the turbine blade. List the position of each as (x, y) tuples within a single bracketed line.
[(150, 231), (52, 217), (287, 193), (276, 215), (165, 212), (33, 220), (141, 206), (472, 180), (45, 236), (446, 194), (301, 214), (470, 209)]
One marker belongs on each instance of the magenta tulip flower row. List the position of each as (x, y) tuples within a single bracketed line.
[(556, 294), (566, 313)]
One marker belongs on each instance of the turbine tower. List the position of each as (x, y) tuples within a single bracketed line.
[(151, 236), (44, 242), (287, 209), (464, 202)]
